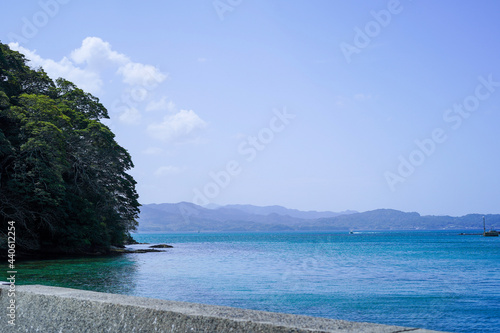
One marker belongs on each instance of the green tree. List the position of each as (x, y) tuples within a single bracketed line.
[(63, 177)]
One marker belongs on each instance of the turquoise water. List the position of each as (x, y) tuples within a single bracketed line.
[(435, 280)]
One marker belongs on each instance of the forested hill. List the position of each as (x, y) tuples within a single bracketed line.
[(63, 177), (188, 217)]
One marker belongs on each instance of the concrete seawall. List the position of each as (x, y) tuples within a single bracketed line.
[(52, 309)]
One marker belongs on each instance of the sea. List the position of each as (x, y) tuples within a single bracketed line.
[(438, 280)]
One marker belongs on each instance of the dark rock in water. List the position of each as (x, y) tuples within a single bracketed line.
[(144, 251), (161, 246), (118, 250)]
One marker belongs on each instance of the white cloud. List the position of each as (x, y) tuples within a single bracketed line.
[(85, 65), (142, 75), (130, 116), (161, 105), (179, 127), (95, 57), (97, 53), (167, 170), (87, 80)]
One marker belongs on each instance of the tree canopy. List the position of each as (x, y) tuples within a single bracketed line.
[(63, 177)]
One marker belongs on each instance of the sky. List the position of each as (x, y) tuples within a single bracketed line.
[(313, 105)]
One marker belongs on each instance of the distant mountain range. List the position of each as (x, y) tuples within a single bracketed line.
[(188, 217)]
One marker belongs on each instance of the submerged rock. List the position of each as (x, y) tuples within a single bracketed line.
[(161, 246), (118, 250)]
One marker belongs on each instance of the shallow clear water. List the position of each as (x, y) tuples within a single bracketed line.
[(436, 280)]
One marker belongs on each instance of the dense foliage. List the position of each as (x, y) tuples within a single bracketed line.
[(63, 177)]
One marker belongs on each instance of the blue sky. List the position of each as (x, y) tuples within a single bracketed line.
[(314, 105)]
